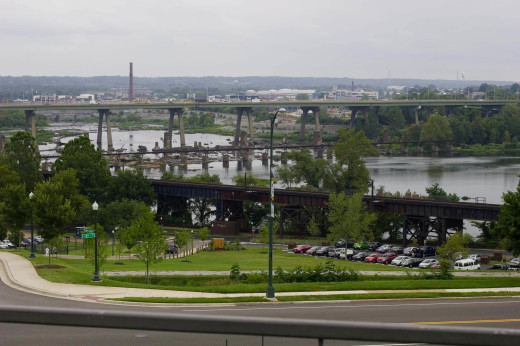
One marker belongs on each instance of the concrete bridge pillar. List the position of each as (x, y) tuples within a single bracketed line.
[(353, 113), (110, 143), (249, 111), (416, 112), (101, 113), (243, 139), (283, 158), (420, 150), (225, 161), (404, 149), (315, 111), (265, 158), (30, 122), (240, 111), (172, 112), (205, 162)]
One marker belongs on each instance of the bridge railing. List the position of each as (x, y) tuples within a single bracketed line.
[(261, 326)]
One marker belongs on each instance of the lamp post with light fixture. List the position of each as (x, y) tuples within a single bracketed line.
[(270, 288), (96, 278), (32, 255)]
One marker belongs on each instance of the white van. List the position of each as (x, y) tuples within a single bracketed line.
[(466, 264)]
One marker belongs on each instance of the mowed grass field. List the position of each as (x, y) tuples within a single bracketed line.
[(80, 271)]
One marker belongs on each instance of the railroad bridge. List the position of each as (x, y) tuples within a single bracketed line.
[(421, 218)]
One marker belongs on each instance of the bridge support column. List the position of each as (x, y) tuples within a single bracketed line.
[(416, 112), (353, 113), (249, 112), (225, 161), (303, 123), (240, 111), (205, 162), (172, 112), (110, 143), (30, 122), (99, 140), (265, 159), (404, 149), (317, 130)]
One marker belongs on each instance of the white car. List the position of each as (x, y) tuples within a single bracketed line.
[(8, 243), (38, 239), (3, 245), (397, 261), (476, 257), (427, 263)]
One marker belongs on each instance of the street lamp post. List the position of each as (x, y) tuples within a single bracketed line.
[(192, 242), (270, 288), (96, 264), (32, 255), (112, 242)]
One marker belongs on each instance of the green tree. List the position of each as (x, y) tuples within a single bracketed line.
[(52, 209), (348, 217), (182, 238), (122, 213), (350, 171), (302, 97), (15, 209), (91, 168), (152, 244), (456, 246), (508, 225), (24, 158), (436, 128), (131, 184), (437, 193), (204, 233)]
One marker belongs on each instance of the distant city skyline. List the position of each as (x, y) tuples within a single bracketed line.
[(400, 39)]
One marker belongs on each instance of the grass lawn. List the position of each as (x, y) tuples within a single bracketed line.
[(80, 271)]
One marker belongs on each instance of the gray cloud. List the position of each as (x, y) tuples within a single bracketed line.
[(363, 39)]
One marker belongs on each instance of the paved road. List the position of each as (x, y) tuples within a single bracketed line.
[(492, 312)]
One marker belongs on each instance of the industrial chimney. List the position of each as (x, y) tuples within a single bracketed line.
[(131, 88)]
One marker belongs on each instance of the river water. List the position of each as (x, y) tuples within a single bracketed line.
[(485, 178)]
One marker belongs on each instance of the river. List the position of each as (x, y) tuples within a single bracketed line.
[(485, 178)]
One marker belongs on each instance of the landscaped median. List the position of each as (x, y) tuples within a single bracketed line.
[(250, 287)]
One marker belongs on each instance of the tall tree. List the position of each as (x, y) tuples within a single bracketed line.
[(349, 217), (508, 224), (91, 168), (131, 184), (152, 243), (24, 158), (436, 128), (351, 172)]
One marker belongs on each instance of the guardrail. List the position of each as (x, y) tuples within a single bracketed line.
[(261, 326)]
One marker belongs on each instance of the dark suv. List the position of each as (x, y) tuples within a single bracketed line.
[(424, 251), (172, 248), (374, 245)]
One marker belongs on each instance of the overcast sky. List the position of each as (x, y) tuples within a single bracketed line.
[(435, 39)]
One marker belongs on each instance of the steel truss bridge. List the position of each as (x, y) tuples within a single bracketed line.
[(421, 218)]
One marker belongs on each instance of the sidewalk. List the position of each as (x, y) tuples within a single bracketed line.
[(18, 272)]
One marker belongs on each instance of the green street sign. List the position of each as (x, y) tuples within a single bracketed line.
[(88, 235), (88, 231)]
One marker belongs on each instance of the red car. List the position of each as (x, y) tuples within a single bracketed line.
[(372, 258), (301, 248), (387, 258)]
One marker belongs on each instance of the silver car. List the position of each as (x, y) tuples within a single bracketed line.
[(398, 260)]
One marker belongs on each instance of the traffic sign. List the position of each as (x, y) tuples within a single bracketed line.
[(88, 235), (88, 231)]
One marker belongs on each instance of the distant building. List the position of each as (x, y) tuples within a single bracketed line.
[(281, 94), (358, 94)]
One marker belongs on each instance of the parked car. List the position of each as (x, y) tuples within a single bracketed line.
[(498, 267), (514, 263), (9, 244), (332, 252), (3, 245), (25, 242), (301, 248), (372, 258), (349, 253), (397, 249), (424, 251), (411, 262), (409, 250), (427, 263), (397, 261), (476, 257), (466, 264), (172, 249), (386, 258), (38, 239), (342, 242), (361, 245), (323, 251), (384, 248), (372, 246), (360, 256), (312, 250)]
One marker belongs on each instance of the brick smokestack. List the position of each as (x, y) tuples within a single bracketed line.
[(131, 88)]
